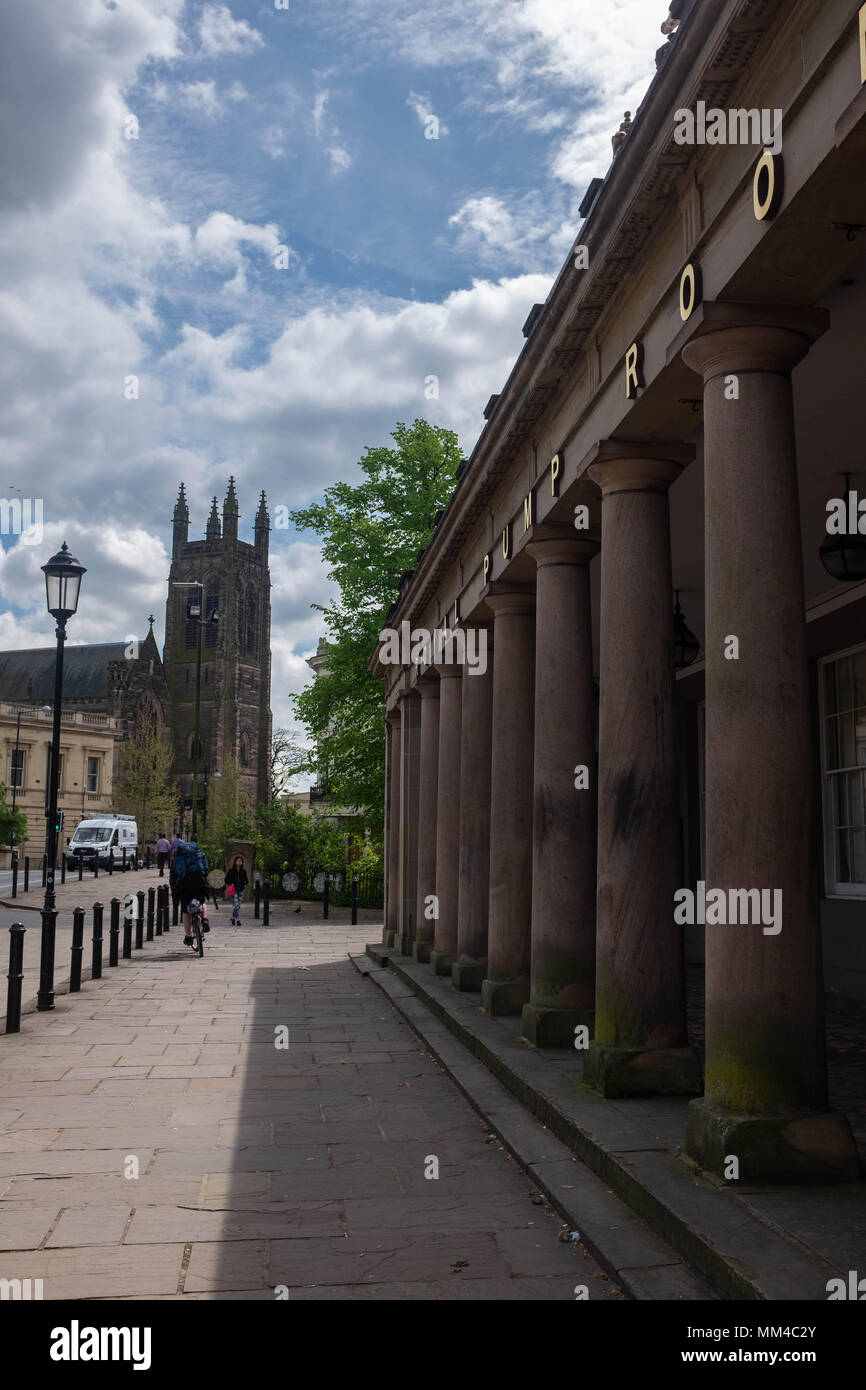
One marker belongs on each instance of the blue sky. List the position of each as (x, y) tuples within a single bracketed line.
[(154, 257)]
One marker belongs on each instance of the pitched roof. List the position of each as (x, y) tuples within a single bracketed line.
[(85, 671)]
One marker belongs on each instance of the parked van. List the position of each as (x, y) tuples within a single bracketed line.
[(94, 840)]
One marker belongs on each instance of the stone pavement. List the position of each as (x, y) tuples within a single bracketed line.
[(257, 1167)]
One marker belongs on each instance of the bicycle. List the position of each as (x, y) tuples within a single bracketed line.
[(195, 919)]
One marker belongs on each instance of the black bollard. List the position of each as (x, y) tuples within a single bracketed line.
[(175, 908), (166, 897), (147, 857), (44, 868), (63, 868), (96, 953), (26, 872), (15, 876), (80, 868), (325, 903), (15, 977), (266, 902), (151, 896), (111, 862), (128, 909), (95, 867), (354, 901), (139, 920), (158, 927), (257, 898), (113, 931), (77, 949)]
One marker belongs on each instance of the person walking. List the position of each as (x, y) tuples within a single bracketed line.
[(236, 879), (163, 850)]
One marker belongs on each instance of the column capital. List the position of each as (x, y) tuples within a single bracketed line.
[(723, 338), (565, 549), (502, 597), (448, 672), (626, 465)]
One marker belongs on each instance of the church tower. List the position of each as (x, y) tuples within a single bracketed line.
[(235, 714)]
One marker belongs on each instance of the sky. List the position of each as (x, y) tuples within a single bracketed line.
[(281, 218)]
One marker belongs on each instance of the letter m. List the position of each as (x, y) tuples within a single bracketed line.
[(748, 906), (10, 521), (10, 1288), (744, 127)]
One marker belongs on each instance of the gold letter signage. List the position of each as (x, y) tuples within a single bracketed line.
[(690, 290), (767, 186), (633, 370)]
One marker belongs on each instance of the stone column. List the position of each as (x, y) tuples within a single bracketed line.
[(392, 830), (640, 1042), (444, 951), (410, 742), (506, 987), (766, 1093), (470, 967), (425, 921), (565, 789)]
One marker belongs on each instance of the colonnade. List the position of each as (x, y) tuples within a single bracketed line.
[(542, 874)]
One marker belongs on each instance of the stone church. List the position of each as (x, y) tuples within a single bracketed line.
[(108, 684), (235, 720)]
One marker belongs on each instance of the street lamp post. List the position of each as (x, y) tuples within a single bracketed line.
[(63, 575)]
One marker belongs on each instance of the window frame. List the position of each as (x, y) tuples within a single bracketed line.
[(840, 892)]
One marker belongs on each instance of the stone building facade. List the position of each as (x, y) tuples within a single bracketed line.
[(677, 422), (235, 721)]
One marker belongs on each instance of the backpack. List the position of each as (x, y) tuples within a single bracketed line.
[(189, 859)]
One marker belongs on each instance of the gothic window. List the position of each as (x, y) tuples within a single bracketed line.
[(245, 750), (190, 748), (250, 636), (212, 606)]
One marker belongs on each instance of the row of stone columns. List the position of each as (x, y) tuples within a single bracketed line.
[(553, 873)]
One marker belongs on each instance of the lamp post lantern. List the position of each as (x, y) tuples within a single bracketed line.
[(63, 575)]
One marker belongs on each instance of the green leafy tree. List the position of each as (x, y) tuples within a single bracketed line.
[(229, 814), (13, 824), (289, 841), (371, 533), (144, 787)]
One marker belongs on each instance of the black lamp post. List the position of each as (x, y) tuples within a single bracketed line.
[(63, 575), (686, 644)]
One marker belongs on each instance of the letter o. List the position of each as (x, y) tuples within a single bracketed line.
[(690, 290), (767, 185)]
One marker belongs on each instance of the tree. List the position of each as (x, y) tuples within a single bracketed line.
[(144, 787), (12, 823), (229, 814), (289, 841), (288, 758), (371, 532)]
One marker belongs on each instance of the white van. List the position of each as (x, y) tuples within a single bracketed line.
[(95, 839)]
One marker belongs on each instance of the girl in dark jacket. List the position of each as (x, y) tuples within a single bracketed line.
[(237, 877)]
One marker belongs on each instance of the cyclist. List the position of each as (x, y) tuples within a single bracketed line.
[(191, 868)]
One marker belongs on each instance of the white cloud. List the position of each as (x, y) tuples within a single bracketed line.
[(340, 158), (204, 98), (220, 32), (423, 108)]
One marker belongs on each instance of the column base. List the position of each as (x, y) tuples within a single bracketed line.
[(504, 998), (404, 944), (390, 939), (551, 1027), (466, 977), (633, 1071), (421, 951), (441, 962), (812, 1146)]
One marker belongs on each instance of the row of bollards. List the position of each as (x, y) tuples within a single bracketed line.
[(122, 865), (147, 921)]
